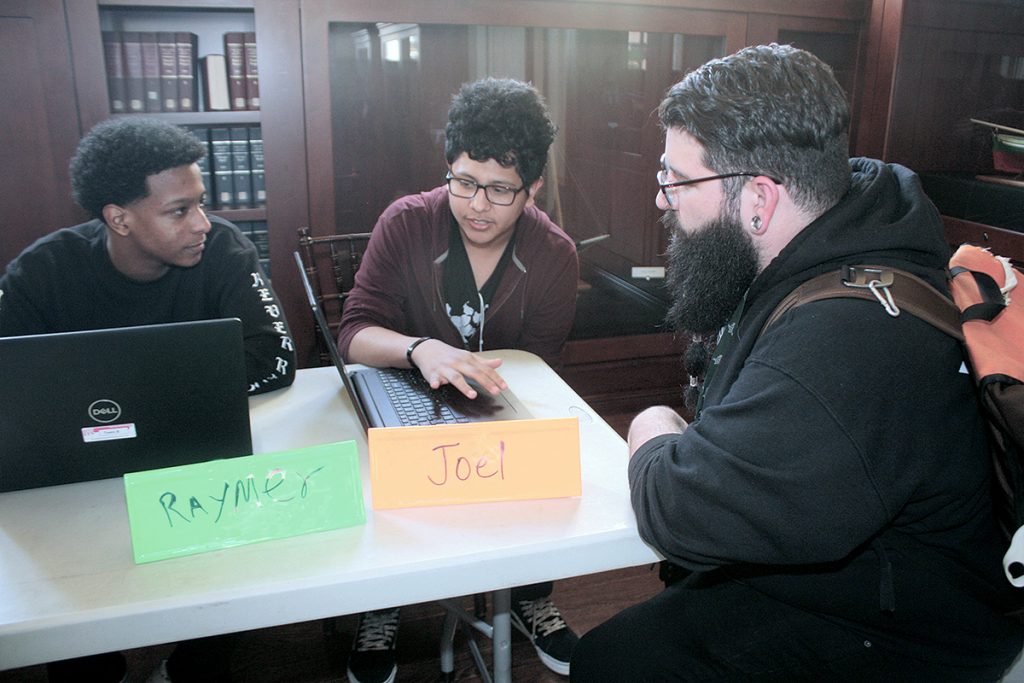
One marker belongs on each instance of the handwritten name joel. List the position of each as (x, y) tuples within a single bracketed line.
[(462, 467)]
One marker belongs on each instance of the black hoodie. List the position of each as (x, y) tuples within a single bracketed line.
[(839, 463)]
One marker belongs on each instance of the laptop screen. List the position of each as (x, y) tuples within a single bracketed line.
[(332, 345), (77, 406)]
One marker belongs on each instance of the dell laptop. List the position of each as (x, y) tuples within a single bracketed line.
[(77, 406)]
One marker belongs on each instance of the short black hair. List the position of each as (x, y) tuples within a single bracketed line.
[(114, 159), (770, 109), (501, 119)]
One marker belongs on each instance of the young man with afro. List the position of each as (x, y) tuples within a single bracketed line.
[(149, 255)]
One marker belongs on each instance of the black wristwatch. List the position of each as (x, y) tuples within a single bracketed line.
[(412, 347)]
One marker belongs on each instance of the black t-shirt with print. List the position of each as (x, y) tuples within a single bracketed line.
[(465, 306)]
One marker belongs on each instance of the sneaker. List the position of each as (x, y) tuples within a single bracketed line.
[(541, 622), (372, 659)]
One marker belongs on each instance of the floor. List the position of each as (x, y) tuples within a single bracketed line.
[(315, 652)]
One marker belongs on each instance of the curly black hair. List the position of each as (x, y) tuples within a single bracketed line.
[(114, 159), (501, 119)]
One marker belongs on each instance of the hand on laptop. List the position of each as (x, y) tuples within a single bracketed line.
[(441, 364)]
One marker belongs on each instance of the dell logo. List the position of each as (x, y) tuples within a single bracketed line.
[(104, 410)]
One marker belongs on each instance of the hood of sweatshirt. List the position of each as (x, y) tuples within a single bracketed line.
[(884, 219)]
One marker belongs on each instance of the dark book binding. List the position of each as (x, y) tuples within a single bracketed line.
[(240, 166), (259, 184), (252, 72), (150, 70), (188, 86), (202, 133), (260, 237), (234, 53), (114, 58), (167, 48), (220, 167), (134, 90)]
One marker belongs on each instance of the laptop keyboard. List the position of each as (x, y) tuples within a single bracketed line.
[(414, 401)]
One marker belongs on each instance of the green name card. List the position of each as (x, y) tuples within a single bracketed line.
[(223, 503)]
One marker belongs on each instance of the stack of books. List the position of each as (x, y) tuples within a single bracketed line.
[(160, 72), (233, 167), (257, 232)]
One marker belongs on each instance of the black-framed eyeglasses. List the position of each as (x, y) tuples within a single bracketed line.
[(665, 186), (501, 195)]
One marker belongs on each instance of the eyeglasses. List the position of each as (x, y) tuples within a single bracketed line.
[(501, 195), (670, 196)]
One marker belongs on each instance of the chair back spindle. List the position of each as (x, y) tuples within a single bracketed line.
[(340, 256)]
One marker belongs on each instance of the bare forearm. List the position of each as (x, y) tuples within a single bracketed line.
[(379, 347), (653, 422)]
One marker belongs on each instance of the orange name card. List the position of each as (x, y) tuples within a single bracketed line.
[(474, 463)]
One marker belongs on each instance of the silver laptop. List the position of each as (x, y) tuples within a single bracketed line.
[(396, 397), (77, 406)]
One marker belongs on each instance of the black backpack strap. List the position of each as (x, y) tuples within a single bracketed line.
[(894, 289), (992, 303)]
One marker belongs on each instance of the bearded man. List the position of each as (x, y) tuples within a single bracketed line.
[(828, 509)]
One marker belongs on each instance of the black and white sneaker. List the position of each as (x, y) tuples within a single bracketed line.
[(372, 659), (541, 622)]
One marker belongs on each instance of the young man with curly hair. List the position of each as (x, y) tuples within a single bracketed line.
[(468, 266), (149, 255)]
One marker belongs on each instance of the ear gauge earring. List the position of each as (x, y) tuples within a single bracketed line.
[(755, 223)]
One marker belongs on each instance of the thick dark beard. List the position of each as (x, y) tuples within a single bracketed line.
[(708, 272)]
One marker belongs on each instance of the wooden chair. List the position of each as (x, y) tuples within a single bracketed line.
[(339, 257)]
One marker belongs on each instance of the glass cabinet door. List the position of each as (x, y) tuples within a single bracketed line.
[(389, 79), (391, 85)]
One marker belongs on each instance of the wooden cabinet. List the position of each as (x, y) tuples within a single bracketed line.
[(54, 99), (933, 65), (208, 21), (620, 376), (276, 26), (354, 97), (380, 75), (40, 123), (837, 40)]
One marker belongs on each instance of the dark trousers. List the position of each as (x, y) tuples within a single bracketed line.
[(193, 661), (729, 632)]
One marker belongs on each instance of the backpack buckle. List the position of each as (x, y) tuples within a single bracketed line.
[(878, 280), (866, 276)]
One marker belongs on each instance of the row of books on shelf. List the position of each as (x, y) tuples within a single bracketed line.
[(151, 71), (233, 167), (257, 232)]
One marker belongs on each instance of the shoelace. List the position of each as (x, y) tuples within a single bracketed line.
[(377, 630), (543, 615)]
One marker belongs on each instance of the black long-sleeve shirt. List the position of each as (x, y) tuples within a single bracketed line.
[(66, 282)]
